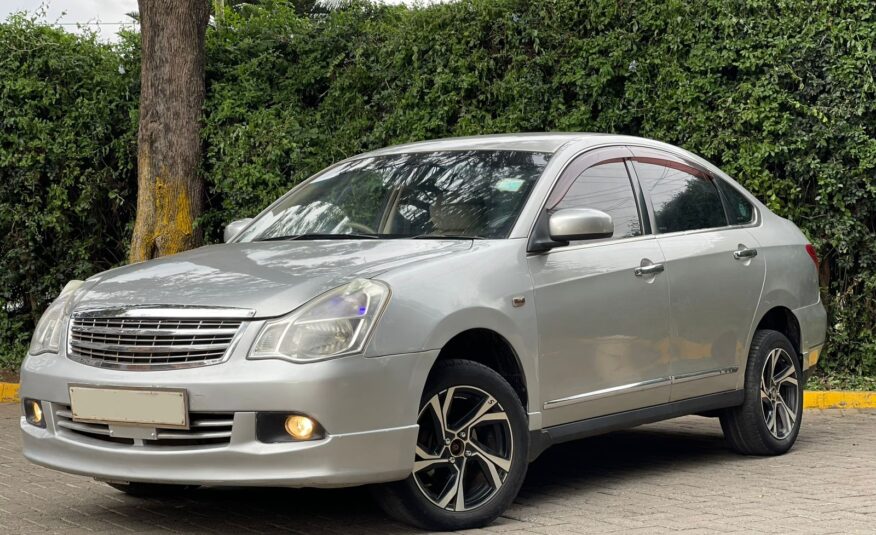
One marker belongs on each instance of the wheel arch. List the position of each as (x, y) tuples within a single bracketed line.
[(488, 347), (782, 319)]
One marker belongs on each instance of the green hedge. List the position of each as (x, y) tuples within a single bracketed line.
[(67, 168), (779, 93)]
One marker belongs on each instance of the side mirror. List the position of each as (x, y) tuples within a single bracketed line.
[(233, 229), (579, 224)]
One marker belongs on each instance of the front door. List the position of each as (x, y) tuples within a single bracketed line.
[(603, 328)]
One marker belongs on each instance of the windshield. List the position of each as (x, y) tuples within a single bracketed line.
[(476, 194)]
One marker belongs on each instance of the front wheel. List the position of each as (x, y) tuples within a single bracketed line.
[(471, 454), (768, 421)]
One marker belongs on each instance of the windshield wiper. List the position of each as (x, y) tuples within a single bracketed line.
[(318, 236), (445, 237)]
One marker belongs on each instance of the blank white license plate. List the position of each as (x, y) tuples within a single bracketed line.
[(130, 406)]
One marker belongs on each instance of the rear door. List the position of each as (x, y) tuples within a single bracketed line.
[(715, 273)]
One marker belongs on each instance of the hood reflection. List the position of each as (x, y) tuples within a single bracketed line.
[(272, 278)]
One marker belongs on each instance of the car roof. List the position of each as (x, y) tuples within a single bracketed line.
[(534, 142), (549, 142)]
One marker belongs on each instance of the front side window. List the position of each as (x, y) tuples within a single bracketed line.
[(739, 210), (606, 187), (680, 200), (459, 193)]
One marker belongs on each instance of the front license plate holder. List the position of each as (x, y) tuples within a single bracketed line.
[(130, 406)]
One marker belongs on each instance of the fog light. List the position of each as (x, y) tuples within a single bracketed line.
[(33, 413), (299, 427), (275, 427)]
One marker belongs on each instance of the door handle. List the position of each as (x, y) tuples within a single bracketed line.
[(648, 269), (744, 253)]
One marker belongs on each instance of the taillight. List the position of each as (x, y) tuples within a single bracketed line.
[(812, 254)]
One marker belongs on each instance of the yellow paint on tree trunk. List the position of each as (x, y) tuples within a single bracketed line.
[(174, 230), (168, 227)]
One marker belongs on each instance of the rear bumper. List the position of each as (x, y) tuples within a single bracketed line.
[(810, 359), (813, 327)]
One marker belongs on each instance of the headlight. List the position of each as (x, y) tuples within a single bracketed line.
[(334, 324), (48, 334)]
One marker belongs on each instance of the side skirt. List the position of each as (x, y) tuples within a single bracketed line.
[(542, 439)]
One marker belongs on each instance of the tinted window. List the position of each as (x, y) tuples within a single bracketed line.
[(681, 201), (606, 187), (739, 210)]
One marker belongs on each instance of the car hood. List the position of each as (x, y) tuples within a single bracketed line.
[(271, 278)]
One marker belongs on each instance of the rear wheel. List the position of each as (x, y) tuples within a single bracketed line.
[(471, 454), (152, 490), (768, 421)]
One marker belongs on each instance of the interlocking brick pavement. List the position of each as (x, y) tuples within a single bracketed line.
[(672, 476)]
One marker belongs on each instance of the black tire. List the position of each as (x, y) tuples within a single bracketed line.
[(407, 500), (152, 490), (748, 428)]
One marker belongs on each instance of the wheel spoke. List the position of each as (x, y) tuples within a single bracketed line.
[(435, 405), (492, 417), (504, 464), (491, 470), (422, 465), (425, 455), (445, 409), (452, 491), (460, 488), (488, 403), (774, 357), (788, 373), (783, 419), (771, 419), (764, 389), (791, 415), (792, 380)]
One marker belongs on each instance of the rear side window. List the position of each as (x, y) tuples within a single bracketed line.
[(681, 201), (606, 187), (739, 210)]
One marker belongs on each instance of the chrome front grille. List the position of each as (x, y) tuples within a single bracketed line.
[(150, 343), (205, 429)]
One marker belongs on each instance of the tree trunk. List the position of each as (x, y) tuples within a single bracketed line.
[(170, 193)]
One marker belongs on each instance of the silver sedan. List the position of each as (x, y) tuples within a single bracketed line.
[(430, 317)]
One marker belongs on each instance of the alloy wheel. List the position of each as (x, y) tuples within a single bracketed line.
[(464, 448), (779, 393)]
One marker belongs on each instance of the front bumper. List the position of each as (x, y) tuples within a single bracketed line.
[(366, 405), (337, 461)]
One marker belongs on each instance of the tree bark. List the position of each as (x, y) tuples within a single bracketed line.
[(170, 192)]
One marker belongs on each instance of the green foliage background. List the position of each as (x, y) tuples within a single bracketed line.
[(67, 169), (779, 93)]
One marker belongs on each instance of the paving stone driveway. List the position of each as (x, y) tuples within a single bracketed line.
[(676, 475)]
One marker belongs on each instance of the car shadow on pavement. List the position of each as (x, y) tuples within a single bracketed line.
[(639, 452), (594, 465)]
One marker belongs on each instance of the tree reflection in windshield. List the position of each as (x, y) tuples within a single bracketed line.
[(476, 193)]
